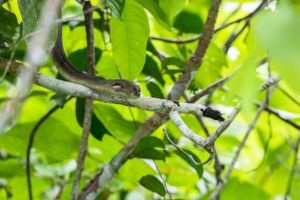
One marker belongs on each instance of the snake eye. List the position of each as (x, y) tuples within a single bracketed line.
[(117, 86)]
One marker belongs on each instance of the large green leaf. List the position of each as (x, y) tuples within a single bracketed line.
[(129, 39), (157, 12), (153, 184)]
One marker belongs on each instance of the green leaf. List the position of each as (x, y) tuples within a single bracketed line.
[(97, 128), (10, 168), (145, 148), (151, 69), (79, 58), (172, 61), (150, 154), (246, 90), (157, 12), (116, 7), (155, 90), (30, 11), (213, 62), (9, 30), (63, 141), (198, 168), (247, 191), (172, 7), (153, 184), (188, 22), (150, 142), (129, 40), (114, 121)]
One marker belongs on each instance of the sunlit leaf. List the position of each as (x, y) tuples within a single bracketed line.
[(172, 7), (129, 39), (157, 12), (247, 191), (213, 63)]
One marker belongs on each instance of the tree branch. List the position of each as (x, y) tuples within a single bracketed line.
[(196, 59), (88, 110), (186, 131)]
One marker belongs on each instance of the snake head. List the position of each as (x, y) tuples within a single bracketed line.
[(126, 88)]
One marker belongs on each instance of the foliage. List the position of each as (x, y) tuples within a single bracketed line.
[(264, 166)]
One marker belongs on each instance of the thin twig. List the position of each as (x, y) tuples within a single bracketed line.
[(234, 36), (241, 146), (197, 37), (89, 26), (266, 146), (163, 180), (191, 158), (277, 114), (209, 89), (224, 125), (218, 166), (289, 95), (30, 145), (293, 170)]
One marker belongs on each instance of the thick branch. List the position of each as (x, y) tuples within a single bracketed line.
[(144, 103), (196, 59)]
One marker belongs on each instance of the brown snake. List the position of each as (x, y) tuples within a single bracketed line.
[(115, 87)]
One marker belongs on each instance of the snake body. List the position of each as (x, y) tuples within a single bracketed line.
[(115, 87)]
